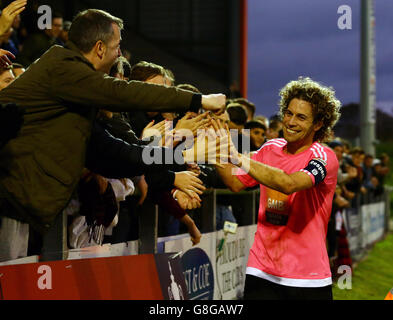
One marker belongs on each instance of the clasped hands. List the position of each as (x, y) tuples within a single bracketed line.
[(213, 146)]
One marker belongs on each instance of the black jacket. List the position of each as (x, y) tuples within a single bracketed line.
[(115, 159)]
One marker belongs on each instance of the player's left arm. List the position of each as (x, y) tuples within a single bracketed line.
[(278, 180)]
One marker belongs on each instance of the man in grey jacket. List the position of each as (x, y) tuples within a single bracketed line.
[(41, 167)]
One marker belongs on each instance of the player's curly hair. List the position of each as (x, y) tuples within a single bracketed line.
[(326, 107)]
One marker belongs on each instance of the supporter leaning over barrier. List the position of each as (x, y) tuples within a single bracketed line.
[(114, 159), (161, 178), (160, 192), (152, 73), (178, 203), (40, 169), (208, 174), (177, 127), (298, 178), (102, 158)]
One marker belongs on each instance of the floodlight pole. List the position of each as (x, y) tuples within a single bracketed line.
[(368, 78)]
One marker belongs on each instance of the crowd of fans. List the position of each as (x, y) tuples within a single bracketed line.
[(106, 210), (361, 179)]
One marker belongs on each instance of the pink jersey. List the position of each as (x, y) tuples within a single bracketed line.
[(290, 242)]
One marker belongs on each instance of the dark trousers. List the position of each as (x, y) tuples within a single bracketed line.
[(261, 289)]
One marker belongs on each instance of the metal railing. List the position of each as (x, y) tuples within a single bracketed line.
[(55, 244)]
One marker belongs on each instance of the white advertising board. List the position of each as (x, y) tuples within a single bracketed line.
[(227, 265), (105, 251), (373, 222)]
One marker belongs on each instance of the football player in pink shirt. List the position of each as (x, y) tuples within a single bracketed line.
[(297, 176)]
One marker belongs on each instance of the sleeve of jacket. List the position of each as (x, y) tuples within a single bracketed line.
[(113, 158), (160, 180), (77, 82)]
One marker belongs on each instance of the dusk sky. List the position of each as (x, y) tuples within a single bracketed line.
[(292, 38)]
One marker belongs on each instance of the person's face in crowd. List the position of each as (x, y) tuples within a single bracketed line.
[(57, 27), (273, 134), (108, 53), (385, 160), (6, 78), (368, 162), (257, 136), (298, 126), (357, 159), (338, 150)]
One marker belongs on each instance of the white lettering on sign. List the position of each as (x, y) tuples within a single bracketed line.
[(45, 281)]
